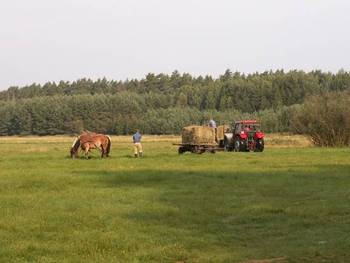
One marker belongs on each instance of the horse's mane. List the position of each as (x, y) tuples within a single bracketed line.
[(87, 132)]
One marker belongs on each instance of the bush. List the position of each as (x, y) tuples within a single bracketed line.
[(326, 119)]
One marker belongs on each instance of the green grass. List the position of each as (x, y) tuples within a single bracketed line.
[(289, 203)]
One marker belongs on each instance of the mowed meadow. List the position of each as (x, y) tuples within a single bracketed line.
[(290, 203)]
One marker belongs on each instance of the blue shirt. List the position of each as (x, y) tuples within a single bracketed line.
[(137, 137)]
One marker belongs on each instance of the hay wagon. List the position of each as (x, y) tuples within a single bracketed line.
[(197, 148), (198, 139)]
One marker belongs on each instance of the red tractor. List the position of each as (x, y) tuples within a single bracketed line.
[(245, 136)]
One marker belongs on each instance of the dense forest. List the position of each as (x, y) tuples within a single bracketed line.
[(162, 104)]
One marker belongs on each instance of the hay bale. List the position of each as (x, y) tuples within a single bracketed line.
[(198, 135), (220, 131)]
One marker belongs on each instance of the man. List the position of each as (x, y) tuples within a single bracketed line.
[(212, 123), (246, 128), (137, 144)]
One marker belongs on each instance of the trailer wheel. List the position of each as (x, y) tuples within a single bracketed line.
[(181, 150), (195, 149)]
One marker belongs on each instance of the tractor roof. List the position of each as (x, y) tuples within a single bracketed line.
[(247, 122)]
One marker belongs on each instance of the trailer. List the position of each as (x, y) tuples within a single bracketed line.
[(198, 139), (196, 148)]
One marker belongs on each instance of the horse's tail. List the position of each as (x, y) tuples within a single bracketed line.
[(108, 146), (75, 147)]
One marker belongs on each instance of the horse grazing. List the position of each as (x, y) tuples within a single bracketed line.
[(90, 140)]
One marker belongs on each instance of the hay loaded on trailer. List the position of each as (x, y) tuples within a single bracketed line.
[(200, 139)]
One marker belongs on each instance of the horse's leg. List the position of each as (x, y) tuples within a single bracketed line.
[(87, 150), (98, 145), (105, 144), (102, 151), (83, 152), (105, 147), (99, 148)]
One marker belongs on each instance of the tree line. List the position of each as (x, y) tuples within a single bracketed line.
[(114, 114), (247, 93), (162, 104)]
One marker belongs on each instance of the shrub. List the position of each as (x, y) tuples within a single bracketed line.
[(326, 119)]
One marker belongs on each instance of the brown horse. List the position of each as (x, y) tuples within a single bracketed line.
[(90, 140)]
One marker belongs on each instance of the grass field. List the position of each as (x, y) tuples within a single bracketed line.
[(290, 203)]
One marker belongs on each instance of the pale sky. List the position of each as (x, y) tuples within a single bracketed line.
[(47, 40)]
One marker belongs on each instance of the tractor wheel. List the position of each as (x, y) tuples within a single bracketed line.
[(259, 146), (243, 146), (227, 146), (237, 146)]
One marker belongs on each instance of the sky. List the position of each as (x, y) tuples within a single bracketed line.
[(47, 40)]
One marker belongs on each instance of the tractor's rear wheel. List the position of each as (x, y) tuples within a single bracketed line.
[(259, 145)]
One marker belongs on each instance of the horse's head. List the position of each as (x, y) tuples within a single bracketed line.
[(74, 148), (73, 153)]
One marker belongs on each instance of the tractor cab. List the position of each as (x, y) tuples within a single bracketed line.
[(251, 128)]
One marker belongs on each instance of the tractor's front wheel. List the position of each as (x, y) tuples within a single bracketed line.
[(237, 146), (227, 146), (244, 146)]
